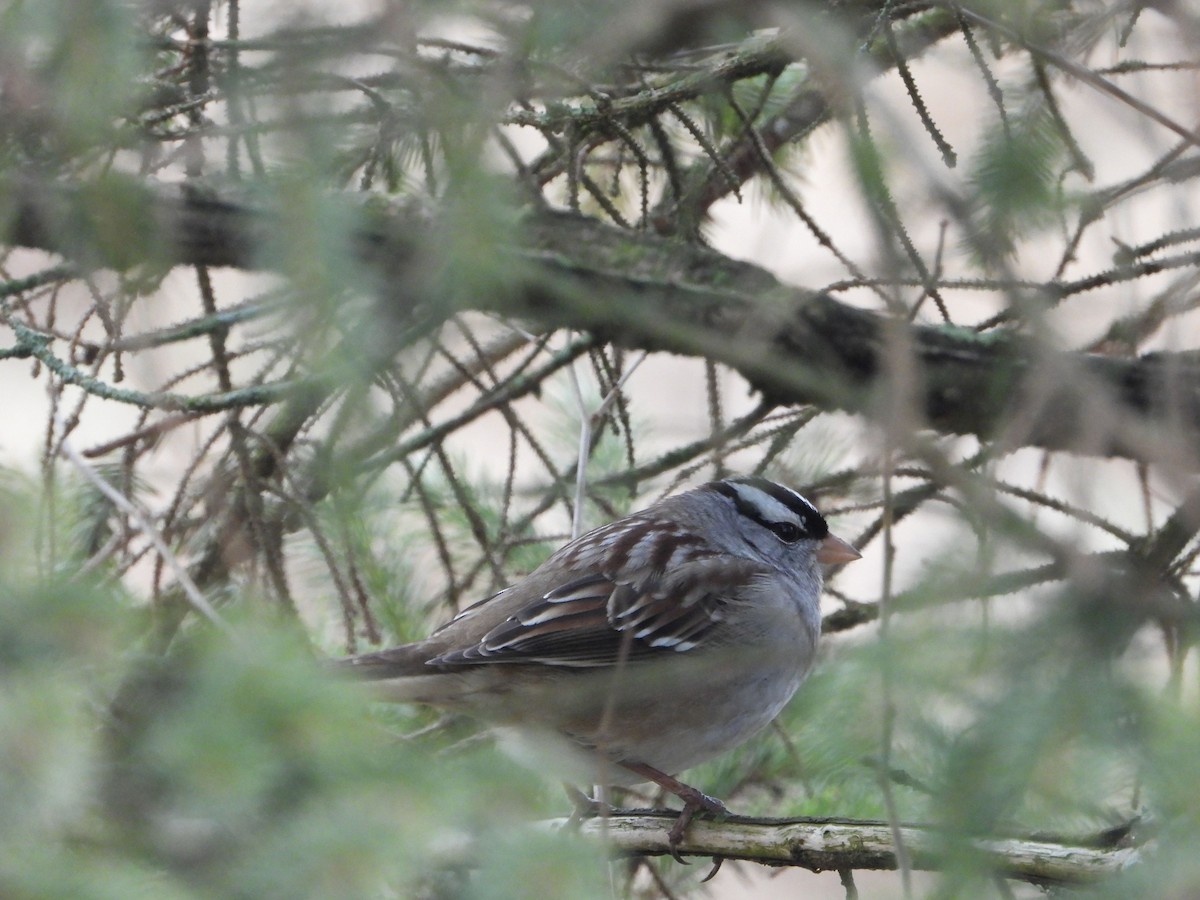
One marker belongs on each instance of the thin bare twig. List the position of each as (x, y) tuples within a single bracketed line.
[(142, 521)]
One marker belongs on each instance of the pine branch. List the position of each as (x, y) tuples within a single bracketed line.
[(646, 292)]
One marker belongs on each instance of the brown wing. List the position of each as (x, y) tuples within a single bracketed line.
[(603, 620)]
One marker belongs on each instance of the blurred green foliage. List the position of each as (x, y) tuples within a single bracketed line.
[(231, 766), (1017, 180), (75, 68)]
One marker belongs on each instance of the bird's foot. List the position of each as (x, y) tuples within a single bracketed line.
[(694, 802)]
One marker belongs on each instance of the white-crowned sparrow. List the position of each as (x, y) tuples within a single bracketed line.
[(643, 647)]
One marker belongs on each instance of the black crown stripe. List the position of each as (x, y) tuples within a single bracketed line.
[(812, 521)]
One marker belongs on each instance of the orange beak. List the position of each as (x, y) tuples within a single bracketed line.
[(833, 550)]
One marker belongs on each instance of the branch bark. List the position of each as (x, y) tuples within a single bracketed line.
[(643, 291), (836, 844)]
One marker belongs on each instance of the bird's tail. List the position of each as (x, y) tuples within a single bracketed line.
[(400, 675)]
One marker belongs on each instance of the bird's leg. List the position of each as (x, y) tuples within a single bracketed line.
[(694, 801)]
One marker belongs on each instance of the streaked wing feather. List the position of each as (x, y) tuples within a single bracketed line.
[(600, 620), (567, 639), (468, 611), (581, 589)]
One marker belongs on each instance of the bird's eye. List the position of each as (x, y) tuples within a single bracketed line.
[(788, 532)]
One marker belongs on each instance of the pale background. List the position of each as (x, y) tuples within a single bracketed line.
[(1112, 136)]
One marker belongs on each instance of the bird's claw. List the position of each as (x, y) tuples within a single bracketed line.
[(694, 802)]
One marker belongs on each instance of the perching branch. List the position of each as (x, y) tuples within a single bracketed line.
[(836, 844)]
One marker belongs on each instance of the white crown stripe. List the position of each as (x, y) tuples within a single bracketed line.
[(770, 508)]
